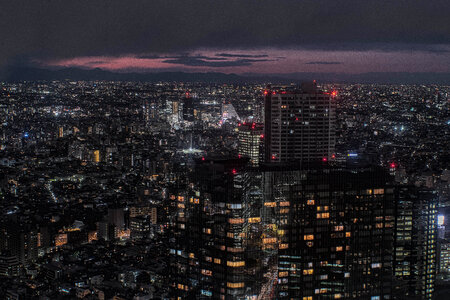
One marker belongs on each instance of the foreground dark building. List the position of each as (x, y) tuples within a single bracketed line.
[(415, 253)]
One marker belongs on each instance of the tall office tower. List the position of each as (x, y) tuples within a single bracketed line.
[(217, 253), (334, 232), (188, 108), (299, 124), (149, 112), (250, 137), (415, 256), (176, 109)]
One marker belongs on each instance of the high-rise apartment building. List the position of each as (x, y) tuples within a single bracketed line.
[(299, 124)]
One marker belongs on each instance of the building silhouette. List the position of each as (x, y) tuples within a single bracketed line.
[(299, 124)]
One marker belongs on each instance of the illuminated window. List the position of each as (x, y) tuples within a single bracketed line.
[(235, 264), (308, 271), (269, 240), (236, 221), (254, 220), (235, 285), (191, 255), (323, 215), (230, 235), (338, 228), (284, 246), (308, 298), (208, 230), (217, 261), (207, 272), (284, 203), (208, 258), (282, 274), (308, 237), (310, 202), (270, 204), (339, 248)]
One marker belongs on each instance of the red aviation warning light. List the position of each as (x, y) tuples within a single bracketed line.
[(262, 136), (393, 165), (266, 92), (203, 158), (234, 171), (334, 93), (324, 159)]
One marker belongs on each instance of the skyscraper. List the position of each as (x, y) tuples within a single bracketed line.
[(188, 108), (415, 253), (334, 232), (299, 124), (250, 141), (217, 253)]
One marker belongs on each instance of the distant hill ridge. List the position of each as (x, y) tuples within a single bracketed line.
[(37, 74)]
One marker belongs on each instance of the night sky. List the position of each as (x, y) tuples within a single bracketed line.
[(246, 36)]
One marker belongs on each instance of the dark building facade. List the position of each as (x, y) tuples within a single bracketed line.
[(415, 253), (216, 253), (299, 124), (335, 232)]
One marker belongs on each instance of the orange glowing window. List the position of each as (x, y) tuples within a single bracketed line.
[(308, 271), (236, 221), (235, 264), (284, 246), (235, 285), (283, 274)]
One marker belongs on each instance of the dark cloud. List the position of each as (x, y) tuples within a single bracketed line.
[(67, 28), (323, 63), (199, 61), (241, 55)]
